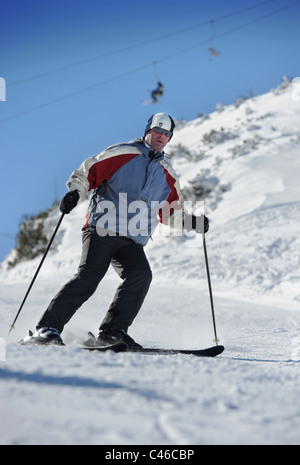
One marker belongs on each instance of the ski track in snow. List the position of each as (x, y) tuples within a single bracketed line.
[(247, 395)]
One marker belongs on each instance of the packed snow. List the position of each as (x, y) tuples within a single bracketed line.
[(246, 157)]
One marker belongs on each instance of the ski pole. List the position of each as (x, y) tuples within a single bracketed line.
[(216, 340), (12, 326)]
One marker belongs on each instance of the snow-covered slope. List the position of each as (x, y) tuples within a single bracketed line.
[(247, 158), (251, 155)]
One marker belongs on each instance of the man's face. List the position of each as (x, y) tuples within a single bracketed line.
[(157, 141)]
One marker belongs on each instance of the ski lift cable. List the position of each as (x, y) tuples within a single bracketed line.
[(154, 70), (77, 92), (140, 68), (7, 235), (130, 47), (230, 31)]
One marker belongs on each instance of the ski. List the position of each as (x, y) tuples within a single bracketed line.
[(39, 341), (35, 341), (90, 345), (208, 352), (117, 347), (122, 347)]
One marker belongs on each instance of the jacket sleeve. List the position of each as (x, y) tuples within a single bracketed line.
[(171, 213), (93, 171)]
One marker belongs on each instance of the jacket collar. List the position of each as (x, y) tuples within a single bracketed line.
[(145, 149)]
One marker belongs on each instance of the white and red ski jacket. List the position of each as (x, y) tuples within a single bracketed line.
[(132, 191)]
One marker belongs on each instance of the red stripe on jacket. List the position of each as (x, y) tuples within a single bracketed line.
[(171, 203), (105, 169)]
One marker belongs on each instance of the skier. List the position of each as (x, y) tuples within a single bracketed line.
[(123, 176), (158, 92)]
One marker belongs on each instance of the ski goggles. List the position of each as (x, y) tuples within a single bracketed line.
[(162, 131)]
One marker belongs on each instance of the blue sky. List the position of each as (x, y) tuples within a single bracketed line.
[(78, 71)]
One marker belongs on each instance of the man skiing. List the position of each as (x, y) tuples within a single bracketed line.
[(158, 92), (125, 178)]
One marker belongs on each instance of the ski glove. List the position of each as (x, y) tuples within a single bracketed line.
[(199, 224), (69, 201)]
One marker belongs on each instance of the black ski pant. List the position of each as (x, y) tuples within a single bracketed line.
[(98, 252)]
